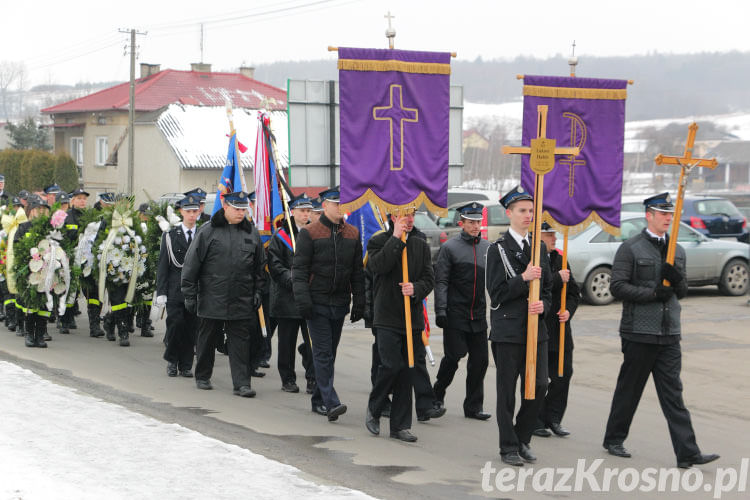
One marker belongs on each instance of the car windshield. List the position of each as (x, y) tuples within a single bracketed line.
[(423, 221), (497, 216), (716, 207)]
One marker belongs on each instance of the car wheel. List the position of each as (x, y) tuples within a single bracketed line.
[(734, 278), (596, 287)]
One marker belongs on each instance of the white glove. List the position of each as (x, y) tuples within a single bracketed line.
[(161, 300)]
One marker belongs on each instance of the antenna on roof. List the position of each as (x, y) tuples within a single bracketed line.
[(201, 43)]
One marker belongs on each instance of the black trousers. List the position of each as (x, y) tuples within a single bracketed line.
[(182, 326), (664, 362), (325, 333), (394, 375), (510, 360), (238, 343), (288, 328), (424, 396), (456, 345), (556, 400)]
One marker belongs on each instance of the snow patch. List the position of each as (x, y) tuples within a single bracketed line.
[(57, 443)]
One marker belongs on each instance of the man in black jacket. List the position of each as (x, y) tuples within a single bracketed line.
[(460, 310), (327, 274), (389, 289), (556, 400), (509, 272), (221, 281), (650, 333), (280, 257), (181, 323)]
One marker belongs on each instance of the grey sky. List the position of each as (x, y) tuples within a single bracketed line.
[(68, 42)]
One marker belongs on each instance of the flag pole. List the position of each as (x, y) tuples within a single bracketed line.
[(284, 194), (563, 305)]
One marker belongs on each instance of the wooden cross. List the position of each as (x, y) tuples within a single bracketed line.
[(542, 154), (686, 163)]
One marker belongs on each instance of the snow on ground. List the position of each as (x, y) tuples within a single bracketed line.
[(57, 443)]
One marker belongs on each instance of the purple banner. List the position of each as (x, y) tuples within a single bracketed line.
[(588, 113), (394, 112)]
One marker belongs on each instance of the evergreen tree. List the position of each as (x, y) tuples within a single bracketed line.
[(27, 135)]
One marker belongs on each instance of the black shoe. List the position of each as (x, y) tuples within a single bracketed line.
[(146, 332), (559, 430), (290, 387), (124, 341), (542, 432), (311, 384), (46, 337), (372, 423), (203, 384), (171, 369), (435, 412), (478, 415), (186, 373), (109, 328), (617, 450), (320, 410), (404, 435), (29, 340), (256, 373), (512, 458), (333, 413), (264, 364), (64, 330), (525, 454), (244, 391), (698, 459)]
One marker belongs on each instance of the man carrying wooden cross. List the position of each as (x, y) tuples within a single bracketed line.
[(509, 272), (650, 334)]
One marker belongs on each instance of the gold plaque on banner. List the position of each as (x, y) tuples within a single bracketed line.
[(542, 158)]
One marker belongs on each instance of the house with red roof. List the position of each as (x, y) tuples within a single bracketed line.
[(181, 129)]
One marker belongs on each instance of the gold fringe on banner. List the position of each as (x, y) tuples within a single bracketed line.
[(578, 228), (575, 93), (394, 65), (386, 207)]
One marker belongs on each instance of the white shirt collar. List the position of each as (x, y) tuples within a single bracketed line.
[(185, 231), (662, 238), (519, 239)]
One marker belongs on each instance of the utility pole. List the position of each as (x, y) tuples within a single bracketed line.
[(131, 109)]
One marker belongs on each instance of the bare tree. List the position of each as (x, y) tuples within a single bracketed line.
[(9, 71)]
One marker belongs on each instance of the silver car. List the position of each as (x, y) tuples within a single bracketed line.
[(709, 261), (435, 236)]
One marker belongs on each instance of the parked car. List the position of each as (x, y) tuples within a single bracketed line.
[(494, 220), (435, 236), (714, 216), (709, 261)]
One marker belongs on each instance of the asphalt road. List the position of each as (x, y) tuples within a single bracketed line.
[(448, 459)]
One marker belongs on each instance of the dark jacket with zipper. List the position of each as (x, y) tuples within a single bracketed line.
[(384, 262), (224, 269), (459, 283), (636, 273), (280, 259), (572, 299), (509, 293), (327, 268)]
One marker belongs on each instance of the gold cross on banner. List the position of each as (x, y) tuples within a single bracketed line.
[(396, 114), (686, 163), (542, 154)]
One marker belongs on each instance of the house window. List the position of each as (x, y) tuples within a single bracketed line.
[(102, 151), (76, 150)]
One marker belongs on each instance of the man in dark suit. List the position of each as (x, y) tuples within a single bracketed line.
[(556, 400), (650, 334), (181, 323), (509, 272), (201, 195)]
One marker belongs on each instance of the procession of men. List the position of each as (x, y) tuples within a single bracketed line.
[(210, 279)]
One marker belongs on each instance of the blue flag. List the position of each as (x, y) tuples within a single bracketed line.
[(230, 180), (367, 221), (276, 209)]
